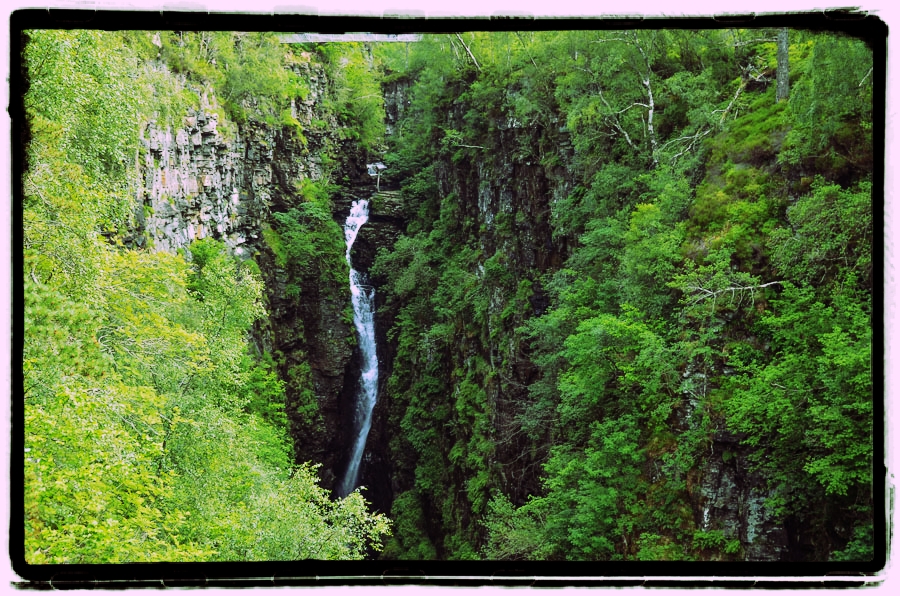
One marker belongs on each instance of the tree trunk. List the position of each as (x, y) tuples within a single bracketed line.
[(782, 86), (471, 55)]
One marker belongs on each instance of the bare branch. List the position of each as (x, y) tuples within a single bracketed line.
[(615, 123), (684, 138), (696, 138), (693, 140), (526, 48), (866, 77), (637, 103), (453, 47), (733, 99), (702, 293), (472, 56), (738, 44)]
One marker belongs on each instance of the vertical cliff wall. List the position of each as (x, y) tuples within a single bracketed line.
[(451, 403), (466, 375), (208, 177), (466, 405)]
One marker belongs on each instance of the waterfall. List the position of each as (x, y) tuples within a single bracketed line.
[(363, 318)]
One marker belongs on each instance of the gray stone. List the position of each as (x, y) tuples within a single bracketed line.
[(227, 189)]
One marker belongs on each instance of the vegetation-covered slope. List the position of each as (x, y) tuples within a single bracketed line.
[(152, 431), (630, 317), (712, 317)]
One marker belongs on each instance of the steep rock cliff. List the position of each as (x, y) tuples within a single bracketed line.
[(505, 190), (493, 192), (209, 177), (497, 179), (212, 178)]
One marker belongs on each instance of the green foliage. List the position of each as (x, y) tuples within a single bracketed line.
[(92, 490), (593, 494), (699, 295), (150, 432), (808, 412), (249, 71), (163, 372), (653, 547), (612, 360), (77, 179), (357, 100), (716, 544), (266, 391), (86, 431), (830, 233), (752, 137), (179, 440), (273, 241), (82, 88), (303, 400), (709, 540), (514, 534), (831, 108), (410, 538), (308, 242), (247, 510), (146, 324), (860, 547), (650, 258)]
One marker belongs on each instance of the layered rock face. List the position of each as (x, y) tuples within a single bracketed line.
[(193, 183), (396, 98), (508, 196), (729, 494), (212, 178), (209, 178), (499, 194)]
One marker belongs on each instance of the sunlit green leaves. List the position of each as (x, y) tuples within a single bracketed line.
[(59, 347), (82, 81), (830, 230), (812, 405), (93, 491), (136, 445), (357, 100), (515, 533), (150, 432), (832, 109), (249, 71), (589, 491), (617, 364)]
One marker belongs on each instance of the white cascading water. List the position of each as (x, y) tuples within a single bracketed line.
[(363, 317)]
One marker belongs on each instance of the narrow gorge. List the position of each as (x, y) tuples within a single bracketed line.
[(363, 298), (545, 295)]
